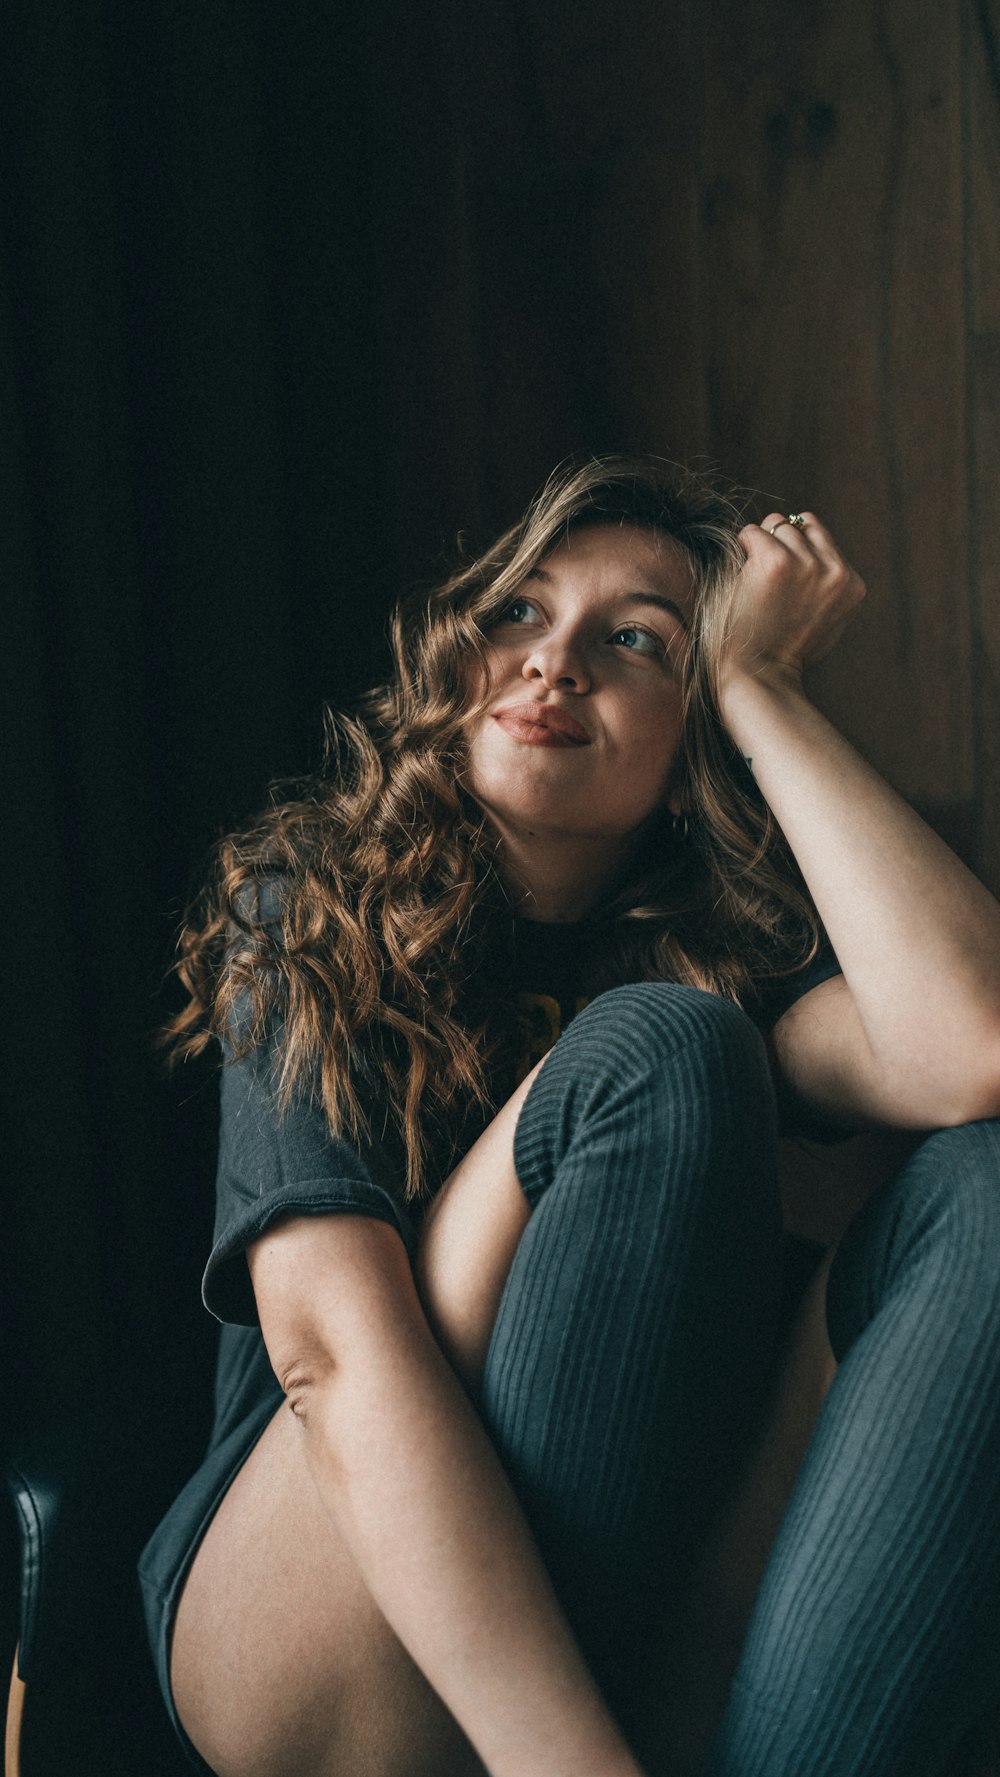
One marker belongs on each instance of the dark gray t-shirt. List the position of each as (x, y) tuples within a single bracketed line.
[(274, 1164)]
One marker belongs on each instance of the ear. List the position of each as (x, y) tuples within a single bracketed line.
[(676, 802)]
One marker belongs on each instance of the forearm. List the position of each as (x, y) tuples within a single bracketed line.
[(405, 1467), (407, 1472), (917, 936)]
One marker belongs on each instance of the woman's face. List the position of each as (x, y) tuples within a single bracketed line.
[(583, 727)]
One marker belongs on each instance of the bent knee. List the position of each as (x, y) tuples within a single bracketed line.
[(971, 1150), (646, 1022), (646, 1067), (935, 1232), (953, 1181)]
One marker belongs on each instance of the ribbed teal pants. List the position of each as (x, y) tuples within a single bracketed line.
[(632, 1351)]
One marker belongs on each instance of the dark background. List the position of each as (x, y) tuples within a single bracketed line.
[(289, 296)]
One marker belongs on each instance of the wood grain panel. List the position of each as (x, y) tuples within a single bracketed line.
[(422, 282), (983, 249), (835, 332), (627, 97), (582, 193)]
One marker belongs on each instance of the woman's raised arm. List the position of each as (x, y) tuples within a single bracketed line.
[(404, 1465), (911, 1035)]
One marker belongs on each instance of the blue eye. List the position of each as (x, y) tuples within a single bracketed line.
[(638, 641), (518, 611)]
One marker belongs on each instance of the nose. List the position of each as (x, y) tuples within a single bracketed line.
[(558, 662)]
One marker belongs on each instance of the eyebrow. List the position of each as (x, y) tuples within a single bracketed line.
[(662, 604), (630, 598)]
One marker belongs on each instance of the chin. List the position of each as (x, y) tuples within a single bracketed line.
[(554, 794), (540, 817)]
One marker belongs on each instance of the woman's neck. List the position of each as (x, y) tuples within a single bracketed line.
[(558, 878)]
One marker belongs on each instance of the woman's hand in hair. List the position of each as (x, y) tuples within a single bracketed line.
[(910, 1034), (790, 603)]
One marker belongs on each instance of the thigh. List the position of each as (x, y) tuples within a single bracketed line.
[(469, 1239), (692, 1669), (281, 1663), (634, 1335)]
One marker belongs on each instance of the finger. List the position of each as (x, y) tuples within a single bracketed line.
[(778, 530), (839, 577), (819, 538)]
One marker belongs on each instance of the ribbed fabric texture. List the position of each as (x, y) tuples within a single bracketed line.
[(630, 1355), (875, 1641), (634, 1334)]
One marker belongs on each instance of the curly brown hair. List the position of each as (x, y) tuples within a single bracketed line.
[(359, 909)]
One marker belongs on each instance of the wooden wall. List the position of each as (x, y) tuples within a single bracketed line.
[(751, 232)]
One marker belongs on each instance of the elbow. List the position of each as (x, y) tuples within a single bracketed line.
[(945, 1089), (976, 1091), (975, 1106), (303, 1360), (305, 1378)]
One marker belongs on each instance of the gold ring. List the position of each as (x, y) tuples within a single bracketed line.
[(798, 520), (773, 527)]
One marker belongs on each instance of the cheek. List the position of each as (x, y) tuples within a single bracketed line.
[(484, 763), (480, 677), (472, 677), (655, 734), (477, 681)]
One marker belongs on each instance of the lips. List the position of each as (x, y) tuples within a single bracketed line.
[(542, 724)]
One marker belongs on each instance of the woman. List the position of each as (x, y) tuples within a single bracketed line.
[(462, 1461)]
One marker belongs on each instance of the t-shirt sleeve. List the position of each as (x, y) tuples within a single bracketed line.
[(778, 995), (275, 1163)]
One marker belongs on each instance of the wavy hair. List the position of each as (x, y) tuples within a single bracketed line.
[(359, 911)]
